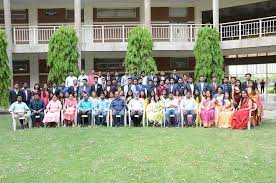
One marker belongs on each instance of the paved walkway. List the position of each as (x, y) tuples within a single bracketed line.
[(269, 103)]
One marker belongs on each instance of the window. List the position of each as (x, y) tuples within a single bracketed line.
[(116, 13), (21, 67), (109, 64), (178, 12), (179, 63)]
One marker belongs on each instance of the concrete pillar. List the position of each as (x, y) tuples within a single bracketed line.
[(89, 62), (216, 13), (88, 20), (226, 71), (77, 11), (147, 14), (198, 15), (34, 71), (8, 29), (142, 14), (33, 21)]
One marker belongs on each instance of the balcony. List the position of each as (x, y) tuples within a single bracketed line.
[(234, 35)]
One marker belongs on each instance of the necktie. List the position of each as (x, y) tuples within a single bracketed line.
[(26, 93)]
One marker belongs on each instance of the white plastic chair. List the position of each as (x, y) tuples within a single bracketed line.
[(125, 118), (143, 117), (101, 116), (21, 118), (250, 115)]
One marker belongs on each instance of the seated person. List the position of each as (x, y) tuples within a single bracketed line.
[(37, 107), (118, 107), (226, 113), (85, 107), (20, 109), (171, 108), (102, 107), (241, 116), (207, 113), (189, 107), (53, 111), (70, 108), (136, 107)]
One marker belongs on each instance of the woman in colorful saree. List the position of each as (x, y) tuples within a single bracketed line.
[(236, 93), (226, 113), (197, 98), (69, 108), (254, 94), (241, 117), (207, 113), (218, 104), (155, 111)]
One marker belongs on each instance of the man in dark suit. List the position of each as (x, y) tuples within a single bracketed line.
[(14, 93), (214, 85), (74, 88), (97, 87), (226, 86), (54, 90), (162, 76), (113, 86), (191, 85), (117, 77), (172, 87), (202, 86), (180, 86), (174, 75), (37, 107), (151, 87), (26, 94), (135, 74), (247, 79), (186, 83), (151, 76), (84, 88)]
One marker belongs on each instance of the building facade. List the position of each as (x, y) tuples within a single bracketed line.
[(245, 26)]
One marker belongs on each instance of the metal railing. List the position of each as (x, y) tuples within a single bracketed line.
[(160, 32), (248, 28)]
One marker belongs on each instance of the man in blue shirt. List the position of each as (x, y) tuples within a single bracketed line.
[(85, 107), (118, 107), (102, 108), (189, 106), (37, 107)]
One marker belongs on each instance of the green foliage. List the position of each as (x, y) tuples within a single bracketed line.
[(63, 54), (208, 54), (139, 51), (5, 73)]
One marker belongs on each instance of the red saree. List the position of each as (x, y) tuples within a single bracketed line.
[(241, 117)]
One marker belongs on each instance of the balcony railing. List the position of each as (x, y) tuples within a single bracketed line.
[(160, 32), (248, 28)]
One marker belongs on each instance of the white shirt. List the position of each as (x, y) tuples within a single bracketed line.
[(136, 104), (80, 78), (18, 107), (70, 81), (169, 102), (192, 88), (145, 80), (188, 104), (100, 80)]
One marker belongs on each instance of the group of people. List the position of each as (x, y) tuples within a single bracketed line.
[(162, 100)]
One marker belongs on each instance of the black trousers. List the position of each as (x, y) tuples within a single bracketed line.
[(88, 113)]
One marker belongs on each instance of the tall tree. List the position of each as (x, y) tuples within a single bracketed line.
[(139, 51), (5, 73), (208, 54), (63, 54)]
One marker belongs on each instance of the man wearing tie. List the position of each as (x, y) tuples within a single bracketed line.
[(14, 93), (97, 87), (172, 86), (202, 86), (26, 94), (85, 88)]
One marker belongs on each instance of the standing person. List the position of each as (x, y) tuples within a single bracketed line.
[(136, 106), (108, 76), (102, 107), (172, 87), (37, 89), (189, 107), (174, 75), (192, 86), (202, 86), (37, 107), (262, 84), (63, 89), (151, 76), (85, 107), (84, 88), (124, 79), (226, 113), (245, 83), (97, 87), (144, 78), (226, 86), (69, 80), (45, 94), (171, 108), (81, 77), (75, 87), (53, 111), (135, 74), (162, 76), (20, 109), (197, 98), (241, 116), (100, 78), (91, 77), (26, 94), (141, 87), (118, 107), (54, 90), (236, 93), (181, 87), (207, 113), (70, 108), (151, 87), (233, 80), (14, 93), (160, 88), (117, 77), (129, 86), (214, 85)]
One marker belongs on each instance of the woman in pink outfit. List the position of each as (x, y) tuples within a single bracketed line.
[(207, 113), (45, 94), (53, 111), (70, 108)]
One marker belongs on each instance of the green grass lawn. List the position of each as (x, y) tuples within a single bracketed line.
[(137, 154)]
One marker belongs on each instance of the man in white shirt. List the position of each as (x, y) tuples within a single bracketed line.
[(189, 106), (136, 107), (171, 108), (124, 79), (20, 110), (70, 80), (81, 77)]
